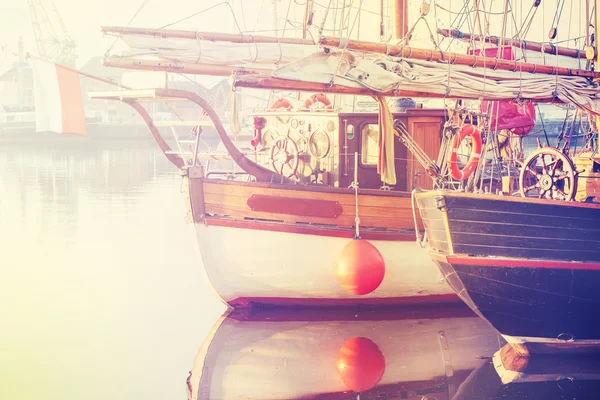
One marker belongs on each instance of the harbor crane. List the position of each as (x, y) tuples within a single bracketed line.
[(52, 38)]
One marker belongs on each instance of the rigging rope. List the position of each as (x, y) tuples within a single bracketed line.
[(144, 3), (557, 15), (349, 32), (205, 10)]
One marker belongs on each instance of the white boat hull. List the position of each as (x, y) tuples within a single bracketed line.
[(246, 266)]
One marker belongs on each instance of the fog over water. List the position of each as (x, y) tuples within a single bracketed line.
[(102, 292)]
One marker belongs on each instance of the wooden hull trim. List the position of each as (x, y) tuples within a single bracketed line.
[(291, 208), (310, 230), (312, 188), (515, 262), (507, 199)]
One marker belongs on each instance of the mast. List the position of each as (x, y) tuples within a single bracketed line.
[(400, 19)]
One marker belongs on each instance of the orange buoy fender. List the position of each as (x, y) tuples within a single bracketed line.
[(464, 173), (317, 98), (360, 267), (281, 103), (360, 364)]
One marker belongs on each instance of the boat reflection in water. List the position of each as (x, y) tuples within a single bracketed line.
[(510, 375), (403, 354)]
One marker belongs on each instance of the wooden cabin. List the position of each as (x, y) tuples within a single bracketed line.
[(320, 147)]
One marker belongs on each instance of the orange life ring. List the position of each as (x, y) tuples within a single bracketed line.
[(462, 174), (317, 98), (281, 103)]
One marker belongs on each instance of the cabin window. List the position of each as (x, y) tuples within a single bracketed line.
[(370, 144)]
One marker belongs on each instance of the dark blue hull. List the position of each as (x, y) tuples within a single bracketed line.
[(530, 268), (530, 302)]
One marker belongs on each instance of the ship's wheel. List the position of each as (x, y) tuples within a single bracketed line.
[(284, 156), (548, 174)]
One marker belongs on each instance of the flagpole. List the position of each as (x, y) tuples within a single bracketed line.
[(105, 80)]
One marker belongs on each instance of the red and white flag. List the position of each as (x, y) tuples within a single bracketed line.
[(58, 100)]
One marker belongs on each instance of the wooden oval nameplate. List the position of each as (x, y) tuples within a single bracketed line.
[(294, 206)]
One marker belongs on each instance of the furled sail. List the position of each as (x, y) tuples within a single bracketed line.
[(206, 50), (387, 74)]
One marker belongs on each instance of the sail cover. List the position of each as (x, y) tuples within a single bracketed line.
[(205, 51), (388, 74)]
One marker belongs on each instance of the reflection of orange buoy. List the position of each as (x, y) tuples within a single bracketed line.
[(360, 364), (360, 267)]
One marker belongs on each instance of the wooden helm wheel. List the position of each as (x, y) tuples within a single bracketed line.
[(548, 174), (284, 156)]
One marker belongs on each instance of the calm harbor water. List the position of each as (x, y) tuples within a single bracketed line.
[(103, 297), (102, 294)]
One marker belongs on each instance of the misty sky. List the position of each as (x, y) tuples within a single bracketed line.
[(83, 19)]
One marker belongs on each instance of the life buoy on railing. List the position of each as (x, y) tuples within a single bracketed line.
[(464, 173), (318, 98), (281, 103)]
